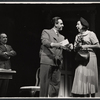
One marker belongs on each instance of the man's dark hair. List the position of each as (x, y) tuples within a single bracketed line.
[(55, 20)]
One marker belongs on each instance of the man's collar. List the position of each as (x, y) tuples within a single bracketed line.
[(3, 44), (55, 30)]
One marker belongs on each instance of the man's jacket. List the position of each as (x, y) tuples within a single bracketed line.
[(5, 58), (48, 53)]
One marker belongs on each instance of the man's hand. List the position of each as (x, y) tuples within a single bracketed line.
[(57, 45), (68, 47)]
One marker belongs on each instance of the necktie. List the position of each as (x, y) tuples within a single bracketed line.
[(57, 33)]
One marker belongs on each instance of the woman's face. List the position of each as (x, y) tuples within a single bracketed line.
[(79, 26)]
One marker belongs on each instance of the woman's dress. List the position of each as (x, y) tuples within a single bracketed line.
[(86, 77)]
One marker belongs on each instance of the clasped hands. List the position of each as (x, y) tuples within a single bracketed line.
[(7, 54)]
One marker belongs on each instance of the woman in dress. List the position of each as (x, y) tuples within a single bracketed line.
[(85, 81)]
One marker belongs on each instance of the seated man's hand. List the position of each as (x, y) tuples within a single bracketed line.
[(7, 54)]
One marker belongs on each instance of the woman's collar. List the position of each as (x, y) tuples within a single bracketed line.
[(85, 32)]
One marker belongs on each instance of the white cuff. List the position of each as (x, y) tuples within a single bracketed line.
[(51, 44)]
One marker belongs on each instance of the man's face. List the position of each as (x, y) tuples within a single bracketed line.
[(59, 25), (3, 38)]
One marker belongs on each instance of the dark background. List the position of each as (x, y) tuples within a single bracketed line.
[(23, 23)]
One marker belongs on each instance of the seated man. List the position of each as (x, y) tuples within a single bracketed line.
[(6, 52)]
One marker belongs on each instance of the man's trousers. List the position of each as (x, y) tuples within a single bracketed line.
[(49, 80)]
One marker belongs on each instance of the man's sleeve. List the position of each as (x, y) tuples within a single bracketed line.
[(3, 55), (45, 39), (12, 52)]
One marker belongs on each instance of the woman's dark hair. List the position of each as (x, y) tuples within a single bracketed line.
[(84, 23), (55, 20)]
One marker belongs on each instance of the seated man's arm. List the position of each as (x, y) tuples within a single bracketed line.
[(11, 52)]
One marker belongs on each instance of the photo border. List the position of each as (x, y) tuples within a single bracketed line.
[(48, 2)]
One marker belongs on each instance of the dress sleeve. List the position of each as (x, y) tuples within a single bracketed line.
[(75, 42), (93, 38)]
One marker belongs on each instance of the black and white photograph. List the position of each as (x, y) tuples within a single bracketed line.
[(50, 50)]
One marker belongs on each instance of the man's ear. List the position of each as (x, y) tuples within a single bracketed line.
[(56, 25)]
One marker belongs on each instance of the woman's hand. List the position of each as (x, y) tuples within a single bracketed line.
[(84, 46), (71, 46)]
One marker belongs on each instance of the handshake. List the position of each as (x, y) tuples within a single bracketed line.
[(63, 44)]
